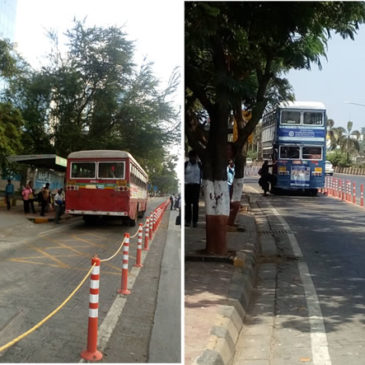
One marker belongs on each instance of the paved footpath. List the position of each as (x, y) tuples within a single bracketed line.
[(217, 290)]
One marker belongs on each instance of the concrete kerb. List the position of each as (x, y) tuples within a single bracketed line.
[(229, 321)]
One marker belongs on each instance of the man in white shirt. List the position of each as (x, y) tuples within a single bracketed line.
[(59, 201), (193, 174)]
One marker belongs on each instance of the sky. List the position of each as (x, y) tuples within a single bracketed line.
[(156, 27), (340, 82)]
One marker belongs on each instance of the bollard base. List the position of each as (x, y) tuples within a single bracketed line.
[(92, 356), (146, 249), (124, 291), (138, 265)]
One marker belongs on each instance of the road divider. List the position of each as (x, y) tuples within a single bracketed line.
[(344, 190), (91, 353), (124, 287), (139, 247)]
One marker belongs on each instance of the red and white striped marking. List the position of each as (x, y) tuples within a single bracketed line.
[(91, 353), (147, 234), (151, 225), (362, 195), (124, 288), (139, 246)]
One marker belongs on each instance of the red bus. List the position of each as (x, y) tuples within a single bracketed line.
[(105, 183)]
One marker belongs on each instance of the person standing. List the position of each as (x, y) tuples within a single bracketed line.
[(45, 199), (25, 194), (31, 197), (265, 177), (9, 193), (230, 177), (193, 172), (59, 201)]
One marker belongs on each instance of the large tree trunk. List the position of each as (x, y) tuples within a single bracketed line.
[(217, 209), (215, 183)]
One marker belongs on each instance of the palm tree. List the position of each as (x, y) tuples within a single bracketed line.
[(349, 140), (333, 134)]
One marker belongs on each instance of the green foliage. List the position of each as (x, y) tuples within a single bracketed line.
[(338, 158), (93, 97), (30, 92), (165, 176), (238, 52), (349, 140), (8, 62), (11, 123)]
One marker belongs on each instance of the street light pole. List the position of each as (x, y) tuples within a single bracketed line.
[(350, 102)]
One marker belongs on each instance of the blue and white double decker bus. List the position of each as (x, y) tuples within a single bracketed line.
[(294, 141)]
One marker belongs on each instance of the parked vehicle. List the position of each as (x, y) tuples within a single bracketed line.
[(329, 168), (105, 183), (294, 141)]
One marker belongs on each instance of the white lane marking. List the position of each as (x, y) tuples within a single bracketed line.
[(319, 343)]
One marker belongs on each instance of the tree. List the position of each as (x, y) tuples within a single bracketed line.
[(30, 92), (94, 97), (11, 120), (349, 141), (8, 60), (11, 123), (236, 54)]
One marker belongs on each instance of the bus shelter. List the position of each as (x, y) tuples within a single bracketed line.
[(42, 169)]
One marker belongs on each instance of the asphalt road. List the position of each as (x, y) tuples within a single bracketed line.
[(42, 264), (319, 311)]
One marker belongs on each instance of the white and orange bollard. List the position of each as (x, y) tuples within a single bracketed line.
[(361, 195), (354, 192), (147, 234), (124, 287), (139, 247), (151, 225), (91, 353), (154, 220)]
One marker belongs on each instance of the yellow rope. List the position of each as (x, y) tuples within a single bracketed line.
[(17, 339), (115, 254), (135, 235)]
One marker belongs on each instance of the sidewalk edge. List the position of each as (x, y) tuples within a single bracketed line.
[(229, 321)]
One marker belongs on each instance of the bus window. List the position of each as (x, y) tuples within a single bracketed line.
[(83, 170), (290, 117), (312, 153), (111, 170), (289, 152), (313, 118)]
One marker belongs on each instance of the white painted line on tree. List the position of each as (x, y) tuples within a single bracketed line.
[(237, 189), (216, 195)]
